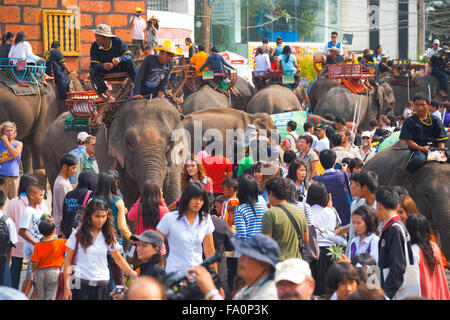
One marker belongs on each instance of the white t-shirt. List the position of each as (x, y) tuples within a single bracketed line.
[(431, 52), (30, 220), (22, 50), (262, 62), (60, 188), (92, 264), (323, 144), (406, 113), (138, 28)]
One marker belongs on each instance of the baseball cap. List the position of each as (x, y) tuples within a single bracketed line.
[(319, 127), (149, 236), (436, 41), (366, 134), (259, 247), (82, 136), (294, 270)]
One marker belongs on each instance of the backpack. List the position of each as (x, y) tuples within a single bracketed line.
[(78, 211), (5, 242)]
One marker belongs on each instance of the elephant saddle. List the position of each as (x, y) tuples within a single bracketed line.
[(18, 90)]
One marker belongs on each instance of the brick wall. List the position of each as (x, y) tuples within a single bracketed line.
[(26, 16)]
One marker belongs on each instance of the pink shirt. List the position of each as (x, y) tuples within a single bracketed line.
[(14, 211), (139, 225)]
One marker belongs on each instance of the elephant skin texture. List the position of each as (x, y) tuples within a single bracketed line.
[(274, 99)]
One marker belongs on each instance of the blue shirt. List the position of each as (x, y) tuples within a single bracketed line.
[(76, 153), (185, 241), (247, 221), (288, 66), (9, 168), (278, 50), (216, 62)]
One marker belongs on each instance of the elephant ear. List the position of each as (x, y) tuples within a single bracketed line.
[(400, 177), (115, 145)]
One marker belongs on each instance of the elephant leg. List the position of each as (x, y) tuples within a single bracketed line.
[(27, 156)]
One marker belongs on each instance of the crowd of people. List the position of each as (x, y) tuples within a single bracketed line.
[(315, 226)]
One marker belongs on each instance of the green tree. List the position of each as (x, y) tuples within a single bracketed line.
[(437, 20)]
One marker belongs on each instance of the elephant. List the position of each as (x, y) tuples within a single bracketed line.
[(340, 101), (33, 114), (318, 90), (302, 96), (139, 143), (229, 119), (206, 97), (274, 99), (429, 186), (401, 92)]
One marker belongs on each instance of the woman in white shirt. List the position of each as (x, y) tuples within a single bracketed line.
[(326, 220), (262, 66), (21, 49), (92, 241), (188, 230), (365, 223)]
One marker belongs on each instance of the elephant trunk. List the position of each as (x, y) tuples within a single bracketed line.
[(150, 165)]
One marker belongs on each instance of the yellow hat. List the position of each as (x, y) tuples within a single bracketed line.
[(167, 46), (179, 51), (138, 9)]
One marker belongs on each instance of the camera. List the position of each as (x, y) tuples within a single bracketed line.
[(118, 290), (180, 287)]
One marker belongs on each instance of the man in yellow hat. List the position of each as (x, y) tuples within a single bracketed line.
[(109, 54), (138, 27), (153, 75)]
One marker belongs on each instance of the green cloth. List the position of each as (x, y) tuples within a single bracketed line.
[(276, 222), (88, 163), (244, 164)]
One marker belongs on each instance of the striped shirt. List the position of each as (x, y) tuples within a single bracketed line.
[(247, 222)]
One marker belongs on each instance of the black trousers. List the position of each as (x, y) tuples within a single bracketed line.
[(319, 269), (61, 84), (129, 66), (87, 292)]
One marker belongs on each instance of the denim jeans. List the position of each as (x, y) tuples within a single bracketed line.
[(417, 160), (16, 269)]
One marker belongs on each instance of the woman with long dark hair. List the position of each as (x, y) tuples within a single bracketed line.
[(288, 61), (248, 215), (188, 230), (21, 49), (433, 282), (92, 242), (297, 172), (148, 210)]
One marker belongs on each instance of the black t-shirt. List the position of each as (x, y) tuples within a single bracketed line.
[(423, 132), (152, 76), (53, 59), (337, 60), (152, 270), (72, 209), (386, 68), (222, 236), (4, 50)]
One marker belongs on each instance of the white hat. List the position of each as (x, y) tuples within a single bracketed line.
[(293, 269), (82, 136), (103, 30), (436, 41), (366, 134)]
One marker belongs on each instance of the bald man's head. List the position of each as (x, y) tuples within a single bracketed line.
[(145, 288)]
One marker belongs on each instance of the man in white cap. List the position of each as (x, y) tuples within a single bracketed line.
[(138, 28), (81, 139), (294, 280), (432, 51), (385, 65), (109, 54), (366, 151), (153, 75)]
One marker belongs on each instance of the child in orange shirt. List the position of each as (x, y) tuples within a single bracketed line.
[(47, 260), (229, 186)]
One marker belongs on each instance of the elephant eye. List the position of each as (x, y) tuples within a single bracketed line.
[(427, 195)]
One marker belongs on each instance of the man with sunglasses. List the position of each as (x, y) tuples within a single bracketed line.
[(152, 77), (333, 43), (366, 151)]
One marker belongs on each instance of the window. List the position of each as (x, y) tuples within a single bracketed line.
[(62, 26), (158, 5)]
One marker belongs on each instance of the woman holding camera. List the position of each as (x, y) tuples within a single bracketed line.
[(188, 230), (152, 33), (91, 243)]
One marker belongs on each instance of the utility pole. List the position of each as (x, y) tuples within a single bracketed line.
[(421, 26), (205, 31)]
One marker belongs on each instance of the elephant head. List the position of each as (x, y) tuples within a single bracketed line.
[(430, 189), (385, 98), (302, 96), (263, 120), (140, 140)]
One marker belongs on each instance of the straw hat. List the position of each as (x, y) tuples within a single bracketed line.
[(154, 18), (167, 46), (103, 30)]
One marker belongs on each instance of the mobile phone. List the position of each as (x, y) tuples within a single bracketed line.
[(117, 290)]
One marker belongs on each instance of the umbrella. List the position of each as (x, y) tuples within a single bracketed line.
[(233, 58), (389, 141)]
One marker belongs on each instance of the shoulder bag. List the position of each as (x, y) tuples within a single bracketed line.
[(60, 286), (308, 251)]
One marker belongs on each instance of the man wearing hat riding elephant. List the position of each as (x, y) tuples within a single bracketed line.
[(440, 69), (153, 75), (109, 54)]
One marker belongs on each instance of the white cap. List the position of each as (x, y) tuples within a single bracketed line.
[(436, 41), (366, 134), (82, 136), (293, 269)]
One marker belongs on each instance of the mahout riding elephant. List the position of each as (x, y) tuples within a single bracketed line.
[(33, 114), (220, 119), (206, 97), (273, 99), (429, 186), (340, 101), (143, 142)]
